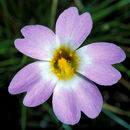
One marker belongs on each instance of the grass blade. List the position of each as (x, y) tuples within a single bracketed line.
[(23, 117), (49, 110), (66, 127), (116, 118)]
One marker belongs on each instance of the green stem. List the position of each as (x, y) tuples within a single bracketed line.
[(50, 111), (53, 13), (23, 118)]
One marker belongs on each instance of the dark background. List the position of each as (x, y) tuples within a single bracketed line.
[(111, 23)]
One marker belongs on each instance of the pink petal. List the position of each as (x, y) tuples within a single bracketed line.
[(35, 79), (65, 105), (72, 28), (103, 52), (37, 43), (102, 74), (89, 98), (39, 93)]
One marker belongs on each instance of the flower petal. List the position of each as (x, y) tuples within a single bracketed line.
[(89, 98), (36, 80), (72, 28), (39, 93), (38, 42), (102, 74), (64, 104), (103, 52)]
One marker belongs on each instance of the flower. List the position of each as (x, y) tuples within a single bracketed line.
[(63, 65)]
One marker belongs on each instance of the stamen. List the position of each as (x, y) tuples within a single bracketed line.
[(64, 63)]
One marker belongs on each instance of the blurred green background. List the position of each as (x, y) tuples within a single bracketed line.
[(111, 23)]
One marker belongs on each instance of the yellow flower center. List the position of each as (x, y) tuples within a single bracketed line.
[(64, 63)]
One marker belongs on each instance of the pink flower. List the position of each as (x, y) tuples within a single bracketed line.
[(62, 66)]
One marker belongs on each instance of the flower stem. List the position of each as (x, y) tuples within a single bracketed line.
[(23, 117), (50, 111)]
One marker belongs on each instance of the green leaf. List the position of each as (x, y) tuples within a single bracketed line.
[(66, 127), (104, 12), (116, 118)]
